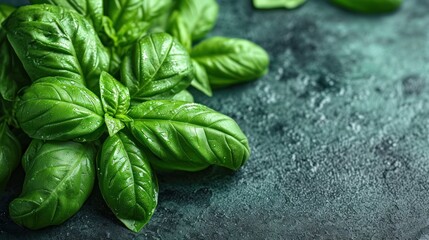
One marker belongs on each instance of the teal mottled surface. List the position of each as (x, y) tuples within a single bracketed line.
[(339, 132)]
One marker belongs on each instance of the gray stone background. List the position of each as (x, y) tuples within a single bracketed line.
[(339, 133)]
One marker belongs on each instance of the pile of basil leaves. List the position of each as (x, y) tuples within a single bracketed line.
[(97, 89)]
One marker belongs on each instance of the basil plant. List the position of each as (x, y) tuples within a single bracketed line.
[(97, 91)]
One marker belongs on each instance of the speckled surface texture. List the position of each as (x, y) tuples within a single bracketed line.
[(339, 132)]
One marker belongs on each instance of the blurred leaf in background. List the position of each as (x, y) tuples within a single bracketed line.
[(369, 6), (268, 4)]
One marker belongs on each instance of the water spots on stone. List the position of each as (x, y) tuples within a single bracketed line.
[(200, 197), (413, 85)]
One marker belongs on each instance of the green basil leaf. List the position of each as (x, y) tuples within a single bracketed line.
[(229, 61), (12, 74), (199, 16), (59, 178), (201, 80), (179, 29), (126, 181), (131, 32), (184, 96), (91, 136), (122, 12), (152, 9), (31, 153), (52, 41), (115, 97), (113, 125), (369, 6), (157, 65), (10, 153), (56, 108), (188, 136), (91, 9), (268, 4), (8, 110)]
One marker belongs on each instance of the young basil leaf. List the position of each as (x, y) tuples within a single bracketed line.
[(91, 9), (229, 61), (126, 181), (12, 74), (56, 108), (268, 4), (52, 41), (199, 16), (59, 178), (10, 153), (157, 65), (369, 6), (201, 80), (115, 98), (113, 125), (188, 136)]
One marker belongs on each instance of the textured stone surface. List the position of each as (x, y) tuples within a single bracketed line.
[(339, 131)]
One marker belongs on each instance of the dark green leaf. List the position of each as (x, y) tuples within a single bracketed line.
[(157, 65), (59, 178), (229, 61), (188, 136), (201, 80), (369, 6), (52, 41), (199, 16), (59, 109), (268, 4), (12, 74), (126, 181), (10, 153), (91, 9)]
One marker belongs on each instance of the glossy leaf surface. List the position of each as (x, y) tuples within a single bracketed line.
[(229, 61), (91, 9), (156, 65), (188, 136), (59, 178), (126, 181), (59, 109), (53, 41)]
